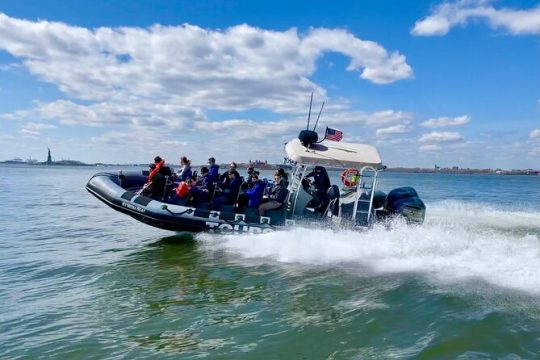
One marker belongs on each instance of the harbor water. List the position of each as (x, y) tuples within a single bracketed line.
[(79, 280)]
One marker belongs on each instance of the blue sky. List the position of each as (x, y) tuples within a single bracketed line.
[(427, 82)]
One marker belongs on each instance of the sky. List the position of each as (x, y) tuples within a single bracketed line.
[(452, 83)]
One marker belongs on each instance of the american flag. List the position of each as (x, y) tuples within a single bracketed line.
[(333, 134)]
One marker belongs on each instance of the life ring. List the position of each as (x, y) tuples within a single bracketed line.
[(349, 177)]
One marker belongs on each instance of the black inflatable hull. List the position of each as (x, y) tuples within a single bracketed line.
[(118, 192)]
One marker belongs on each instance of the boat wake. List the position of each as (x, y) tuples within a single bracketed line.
[(459, 242)]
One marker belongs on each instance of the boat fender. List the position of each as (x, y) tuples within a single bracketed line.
[(349, 177)]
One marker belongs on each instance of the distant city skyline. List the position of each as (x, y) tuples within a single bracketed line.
[(427, 82)]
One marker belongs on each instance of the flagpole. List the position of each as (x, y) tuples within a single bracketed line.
[(325, 132)]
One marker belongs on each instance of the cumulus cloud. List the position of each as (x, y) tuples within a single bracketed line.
[(392, 130), (446, 121), (443, 136), (449, 14), (238, 68), (535, 134)]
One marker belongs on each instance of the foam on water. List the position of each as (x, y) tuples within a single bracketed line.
[(459, 242)]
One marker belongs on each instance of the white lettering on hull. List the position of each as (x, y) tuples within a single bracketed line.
[(134, 207), (227, 228)]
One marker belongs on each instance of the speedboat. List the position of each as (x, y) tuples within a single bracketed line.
[(354, 204)]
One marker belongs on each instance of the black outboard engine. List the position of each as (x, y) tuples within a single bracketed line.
[(404, 201)]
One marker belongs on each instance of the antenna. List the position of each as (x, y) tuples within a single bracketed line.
[(316, 122), (309, 114)]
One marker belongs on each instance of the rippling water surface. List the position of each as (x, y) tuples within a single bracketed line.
[(78, 280)]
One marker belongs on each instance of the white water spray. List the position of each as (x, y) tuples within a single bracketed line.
[(458, 242)]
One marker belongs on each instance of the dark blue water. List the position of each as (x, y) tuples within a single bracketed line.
[(78, 280)]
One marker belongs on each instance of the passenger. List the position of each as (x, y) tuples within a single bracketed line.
[(230, 194), (249, 183), (202, 190), (158, 163), (225, 178), (284, 177), (155, 186), (252, 197), (277, 196), (182, 190), (213, 170), (185, 172), (322, 184)]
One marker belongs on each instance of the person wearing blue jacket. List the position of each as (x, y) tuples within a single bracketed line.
[(185, 172), (255, 193), (213, 168), (230, 194), (252, 196)]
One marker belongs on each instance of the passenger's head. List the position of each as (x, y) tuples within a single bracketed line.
[(152, 166), (204, 170), (250, 170), (233, 165), (211, 160), (233, 173), (184, 160), (255, 175), (157, 159), (277, 178)]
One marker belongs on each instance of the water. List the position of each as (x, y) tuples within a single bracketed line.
[(78, 280)]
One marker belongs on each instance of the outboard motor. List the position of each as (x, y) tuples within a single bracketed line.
[(404, 201)]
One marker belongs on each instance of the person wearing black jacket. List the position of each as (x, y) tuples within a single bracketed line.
[(276, 198)]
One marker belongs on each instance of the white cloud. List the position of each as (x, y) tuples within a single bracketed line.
[(38, 127), (430, 148), (446, 121), (444, 136), (238, 68), (9, 67), (449, 14), (392, 130), (535, 134)]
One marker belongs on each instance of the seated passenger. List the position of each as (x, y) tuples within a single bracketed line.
[(155, 186), (202, 190), (276, 197), (185, 171), (225, 179), (250, 171), (284, 176), (252, 197), (182, 190), (230, 194)]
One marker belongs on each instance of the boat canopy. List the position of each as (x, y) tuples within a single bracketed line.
[(334, 154)]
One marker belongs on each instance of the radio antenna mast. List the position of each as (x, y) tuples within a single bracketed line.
[(320, 111), (309, 114)]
